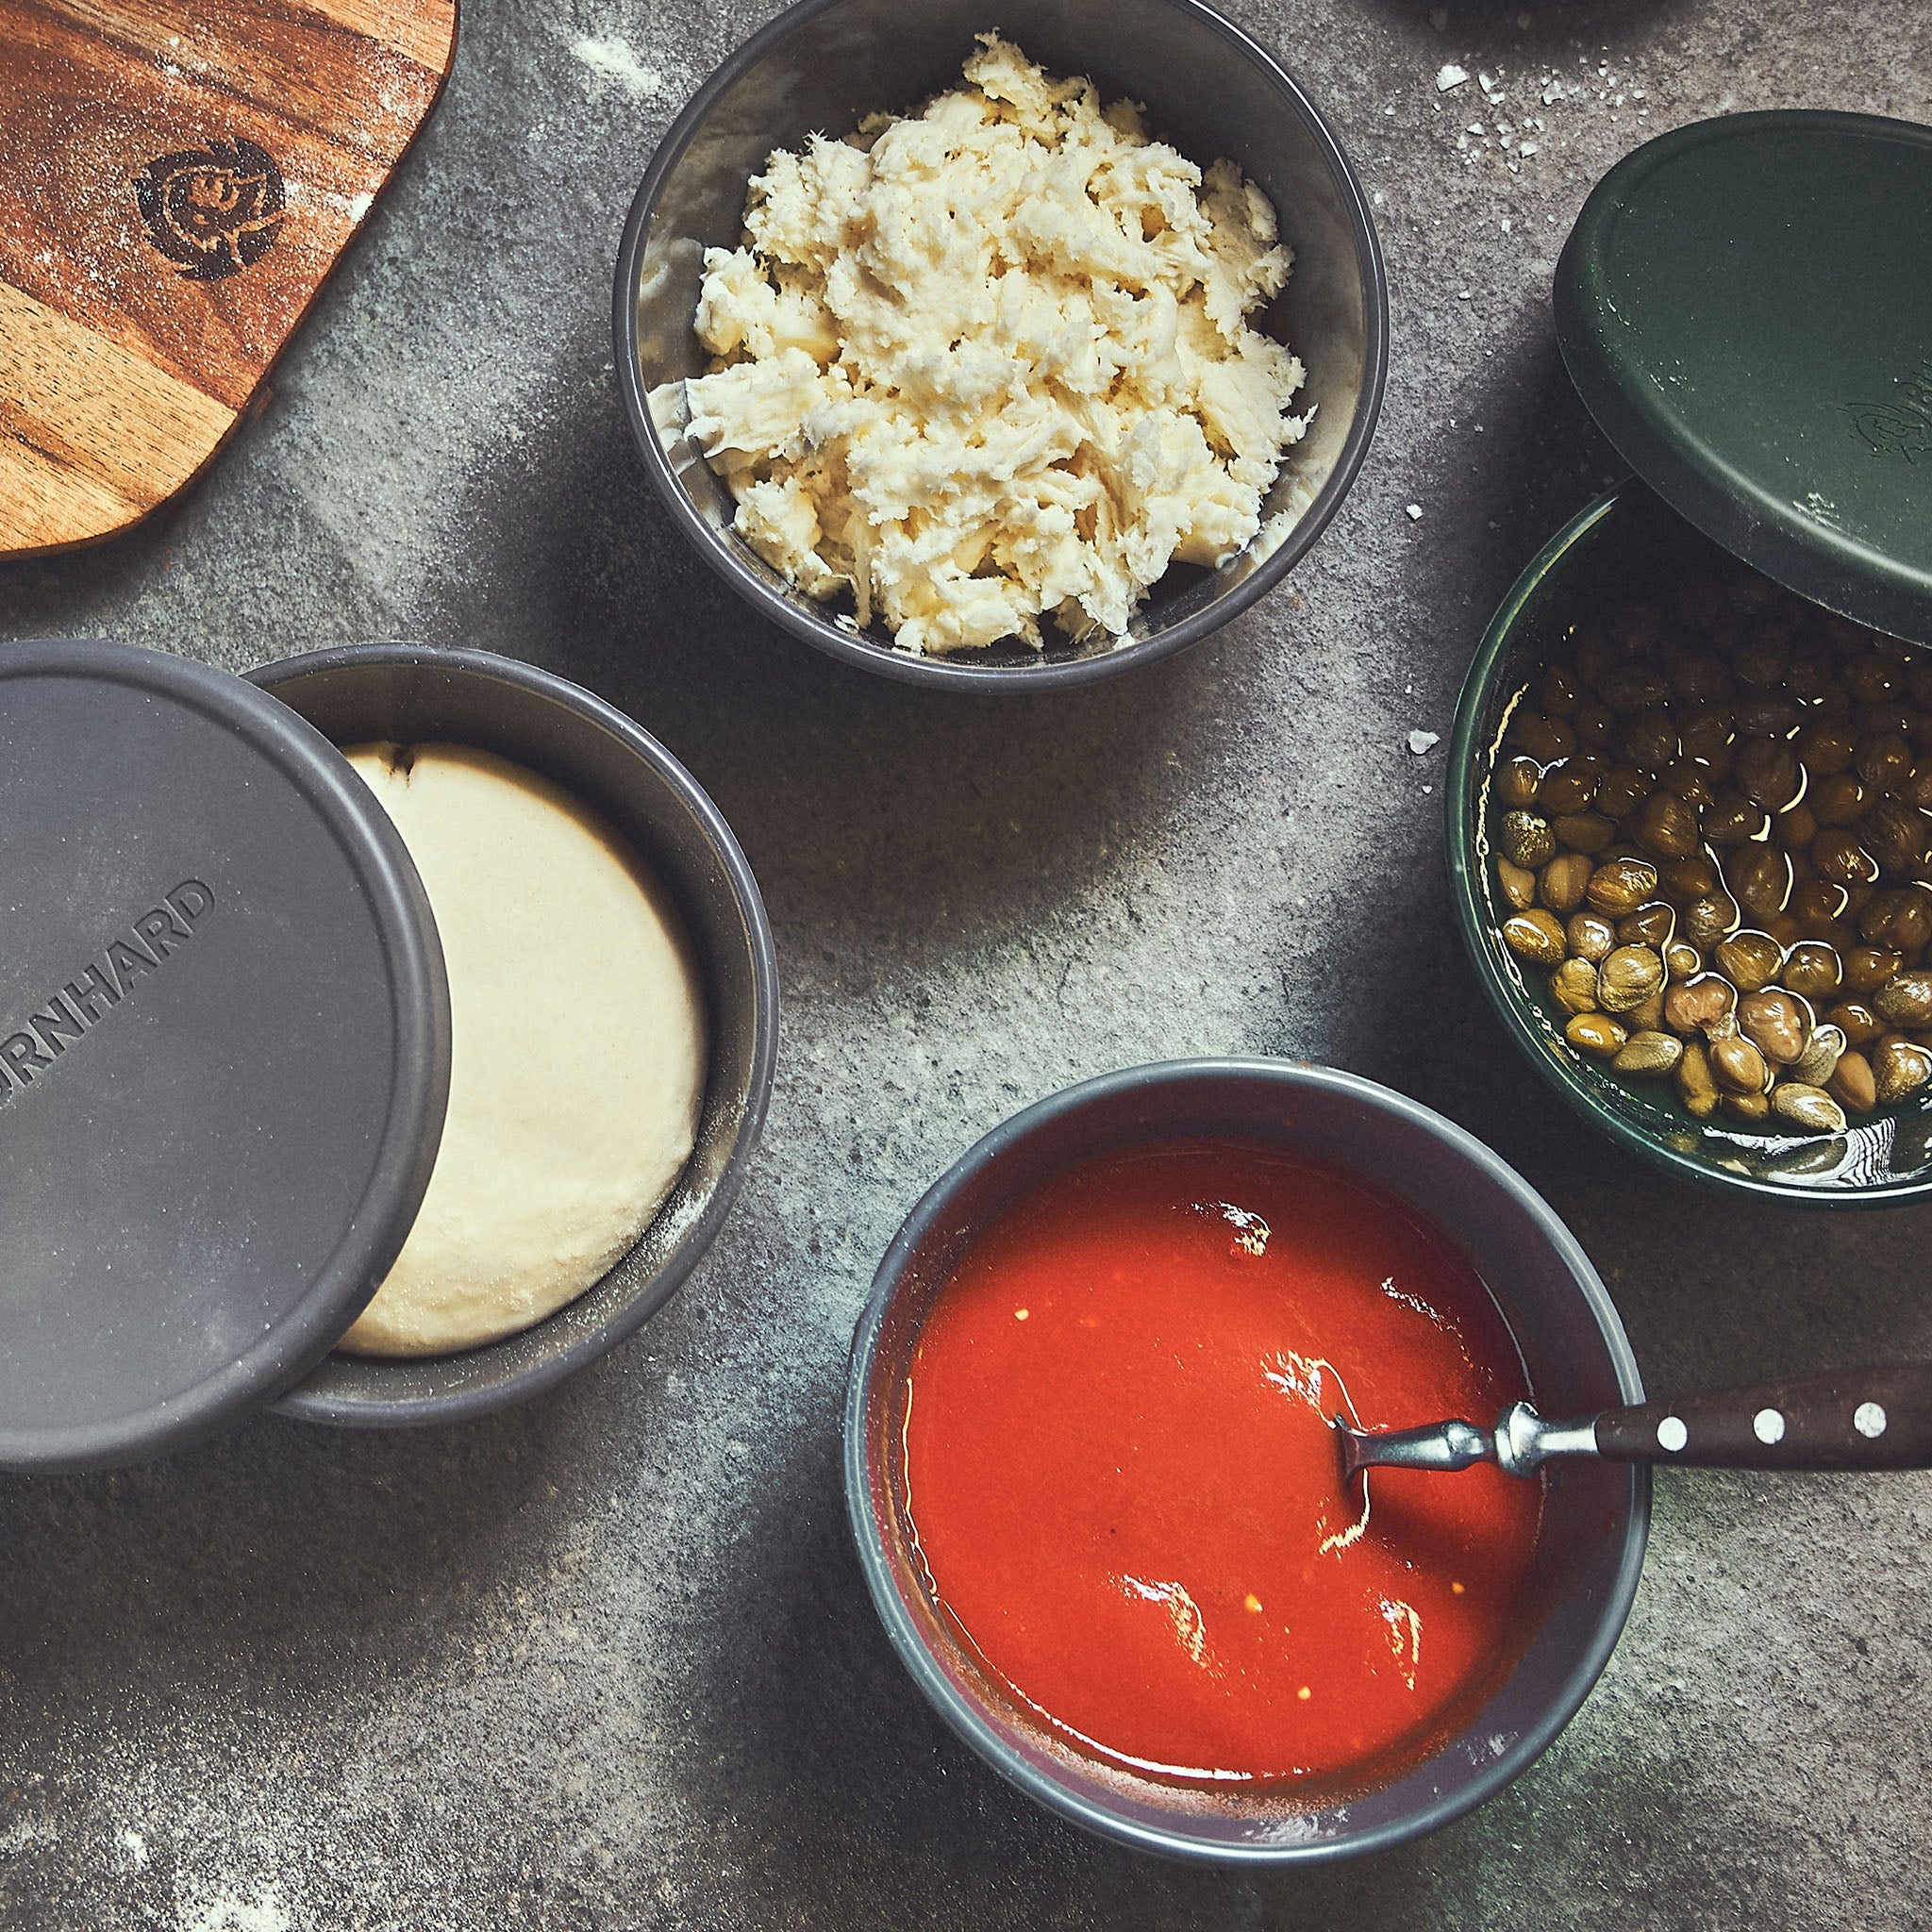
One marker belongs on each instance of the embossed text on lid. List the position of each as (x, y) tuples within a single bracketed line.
[(224, 1049)]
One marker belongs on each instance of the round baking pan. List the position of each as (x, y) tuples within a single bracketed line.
[(1630, 544), (1700, 307), (825, 65), (1595, 1518), (410, 693)]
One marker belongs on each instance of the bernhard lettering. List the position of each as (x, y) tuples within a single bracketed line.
[(101, 984)]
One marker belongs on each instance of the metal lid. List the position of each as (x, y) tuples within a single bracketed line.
[(1742, 305), (224, 1050)]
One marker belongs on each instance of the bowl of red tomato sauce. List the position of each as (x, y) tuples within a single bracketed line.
[(1092, 1472)]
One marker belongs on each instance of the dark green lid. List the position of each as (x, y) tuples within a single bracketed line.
[(1746, 306)]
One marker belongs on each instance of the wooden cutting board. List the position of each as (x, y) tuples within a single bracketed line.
[(177, 178)]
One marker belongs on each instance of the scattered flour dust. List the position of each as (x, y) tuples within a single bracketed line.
[(226, 1911), (615, 60)]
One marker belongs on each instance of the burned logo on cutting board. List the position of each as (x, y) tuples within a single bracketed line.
[(214, 210)]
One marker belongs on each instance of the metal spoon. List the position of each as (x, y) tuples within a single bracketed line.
[(1848, 1419)]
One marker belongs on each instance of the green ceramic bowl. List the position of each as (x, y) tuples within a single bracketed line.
[(1630, 544)]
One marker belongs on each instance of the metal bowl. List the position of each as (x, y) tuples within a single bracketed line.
[(824, 66), (1629, 543), (1596, 1515), (409, 692)]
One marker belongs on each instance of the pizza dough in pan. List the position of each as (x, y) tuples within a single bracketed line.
[(577, 1050)]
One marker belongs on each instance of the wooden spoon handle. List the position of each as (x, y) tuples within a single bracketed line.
[(1848, 1419)]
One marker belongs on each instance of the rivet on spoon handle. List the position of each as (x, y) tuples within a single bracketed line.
[(1878, 1418), (1848, 1419)]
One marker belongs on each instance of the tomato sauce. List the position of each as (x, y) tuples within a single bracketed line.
[(1126, 1492)]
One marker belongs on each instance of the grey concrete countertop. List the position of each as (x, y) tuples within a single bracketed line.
[(606, 1661)]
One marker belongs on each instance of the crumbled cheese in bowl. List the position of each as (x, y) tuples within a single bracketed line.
[(990, 362)]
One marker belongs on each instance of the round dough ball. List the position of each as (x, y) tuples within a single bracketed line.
[(577, 1050)]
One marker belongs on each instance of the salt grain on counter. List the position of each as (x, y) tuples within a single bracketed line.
[(1419, 741), (1451, 76)]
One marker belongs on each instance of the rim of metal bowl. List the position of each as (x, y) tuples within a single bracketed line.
[(307, 1403), (1473, 921), (964, 1718), (953, 673)]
